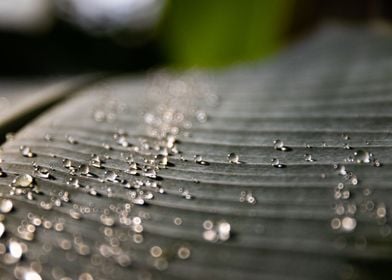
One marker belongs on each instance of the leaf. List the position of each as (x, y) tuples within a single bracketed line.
[(326, 94)]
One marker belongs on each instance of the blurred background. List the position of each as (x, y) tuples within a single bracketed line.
[(49, 37)]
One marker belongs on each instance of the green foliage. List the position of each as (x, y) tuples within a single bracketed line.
[(216, 33)]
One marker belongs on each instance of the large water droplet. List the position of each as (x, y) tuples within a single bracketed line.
[(6, 205), (23, 181)]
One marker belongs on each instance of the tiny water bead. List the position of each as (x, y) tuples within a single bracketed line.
[(279, 145), (23, 181), (362, 156), (26, 151), (184, 253), (199, 159), (276, 163), (233, 158), (308, 158), (71, 140)]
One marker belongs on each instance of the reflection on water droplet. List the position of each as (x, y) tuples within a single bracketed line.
[(233, 158), (23, 181), (6, 205), (362, 156)]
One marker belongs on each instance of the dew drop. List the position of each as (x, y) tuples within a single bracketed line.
[(201, 116), (2, 230), (23, 181), (308, 158), (15, 249), (279, 145), (276, 163), (26, 151), (184, 253), (111, 176), (362, 156), (6, 206), (84, 169), (86, 276), (42, 172), (161, 159), (233, 158), (32, 275), (71, 140), (349, 224), (199, 159)]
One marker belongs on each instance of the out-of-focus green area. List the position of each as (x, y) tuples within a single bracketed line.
[(216, 33)]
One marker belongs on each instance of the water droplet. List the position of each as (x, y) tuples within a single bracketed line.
[(346, 146), (184, 253), (156, 251), (32, 275), (111, 176), (23, 181), (349, 224), (161, 159), (362, 156), (233, 158), (201, 116), (6, 205), (149, 172), (26, 151), (48, 137), (67, 163), (199, 159), (276, 163), (341, 169), (71, 140), (15, 249), (86, 276), (308, 157), (2, 230), (84, 169), (279, 145), (42, 172)]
